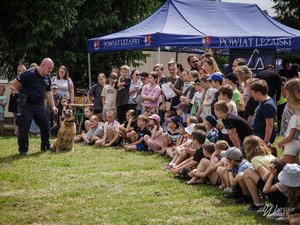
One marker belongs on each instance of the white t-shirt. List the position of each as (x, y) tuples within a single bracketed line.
[(293, 123), (63, 86)]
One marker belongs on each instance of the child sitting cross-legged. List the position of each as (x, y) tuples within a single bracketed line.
[(233, 173), (129, 125), (183, 151), (139, 143), (171, 136), (171, 151), (111, 131), (154, 141), (95, 132), (204, 169), (198, 138)]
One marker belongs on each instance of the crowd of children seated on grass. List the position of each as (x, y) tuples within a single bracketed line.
[(215, 128)]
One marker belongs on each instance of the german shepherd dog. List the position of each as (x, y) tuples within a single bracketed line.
[(66, 133)]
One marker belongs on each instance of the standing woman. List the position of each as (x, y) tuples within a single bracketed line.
[(64, 84), (13, 105), (210, 66)]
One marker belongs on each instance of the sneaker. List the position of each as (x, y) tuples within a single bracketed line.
[(255, 208), (228, 190), (168, 167)]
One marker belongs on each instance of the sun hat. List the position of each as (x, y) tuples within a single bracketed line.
[(233, 153), (216, 76), (155, 117), (290, 175), (190, 129)]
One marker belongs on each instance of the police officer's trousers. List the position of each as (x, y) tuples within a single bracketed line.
[(23, 121)]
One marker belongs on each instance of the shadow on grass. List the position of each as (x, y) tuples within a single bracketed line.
[(15, 157)]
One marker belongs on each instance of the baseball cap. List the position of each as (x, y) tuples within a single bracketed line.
[(212, 120), (232, 77), (155, 117), (190, 129), (232, 153), (174, 119), (216, 76), (290, 175)]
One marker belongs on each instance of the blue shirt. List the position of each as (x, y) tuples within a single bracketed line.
[(34, 85), (264, 110)]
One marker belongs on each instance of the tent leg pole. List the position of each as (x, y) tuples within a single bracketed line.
[(158, 55), (89, 70)]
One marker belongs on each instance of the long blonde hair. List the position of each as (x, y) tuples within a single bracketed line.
[(293, 89), (255, 146)]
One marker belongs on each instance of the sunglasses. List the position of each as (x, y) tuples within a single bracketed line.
[(194, 61)]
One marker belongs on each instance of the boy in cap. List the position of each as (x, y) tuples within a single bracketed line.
[(216, 81), (170, 137), (234, 171), (212, 132)]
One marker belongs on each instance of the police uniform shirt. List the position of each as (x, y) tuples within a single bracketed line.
[(34, 85)]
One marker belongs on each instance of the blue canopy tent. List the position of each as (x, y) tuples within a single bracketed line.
[(210, 24)]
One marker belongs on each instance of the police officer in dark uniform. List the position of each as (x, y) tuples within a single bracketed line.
[(32, 86)]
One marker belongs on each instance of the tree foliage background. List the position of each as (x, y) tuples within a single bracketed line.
[(288, 12), (31, 30)]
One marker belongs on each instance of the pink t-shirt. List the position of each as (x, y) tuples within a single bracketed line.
[(151, 91)]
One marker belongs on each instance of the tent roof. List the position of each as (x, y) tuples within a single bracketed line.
[(202, 23)]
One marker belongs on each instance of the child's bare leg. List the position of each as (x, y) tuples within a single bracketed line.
[(165, 143), (78, 138), (240, 177), (110, 134), (100, 142), (290, 159), (223, 174), (132, 136), (122, 133), (94, 139)]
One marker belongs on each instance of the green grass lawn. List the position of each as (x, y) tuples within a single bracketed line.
[(105, 186)]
